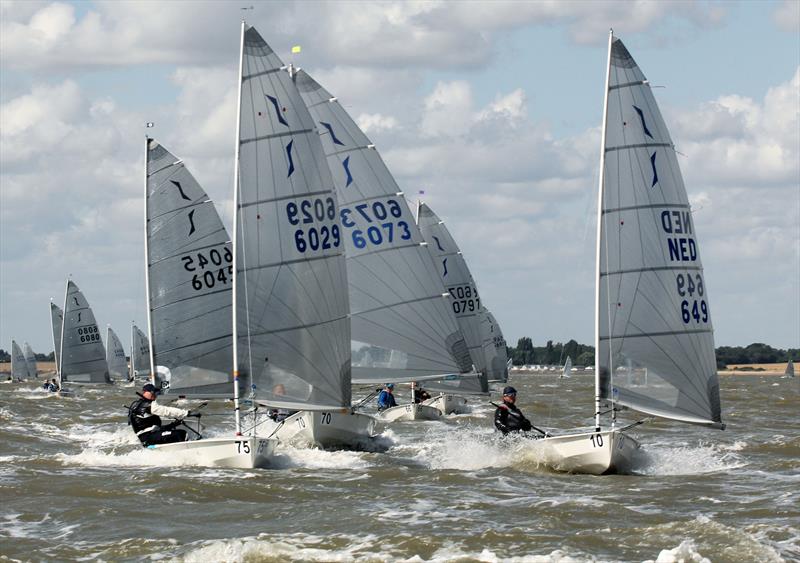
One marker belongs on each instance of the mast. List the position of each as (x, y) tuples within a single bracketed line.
[(599, 241), (133, 355), (147, 274), (61, 344), (235, 237)]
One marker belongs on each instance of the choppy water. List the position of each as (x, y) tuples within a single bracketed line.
[(75, 485)]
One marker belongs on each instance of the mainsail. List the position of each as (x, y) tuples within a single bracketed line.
[(19, 366), (57, 320), (140, 352), (494, 349), (115, 356), (30, 358), (567, 370), (190, 276), (291, 323), (789, 369), (652, 301), (457, 279), (83, 357), (401, 322)]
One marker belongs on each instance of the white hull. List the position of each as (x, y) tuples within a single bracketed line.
[(327, 429), (448, 404), (416, 411), (595, 453), (238, 452)]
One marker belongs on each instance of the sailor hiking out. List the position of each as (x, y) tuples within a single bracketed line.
[(508, 417), (144, 415), (386, 397)]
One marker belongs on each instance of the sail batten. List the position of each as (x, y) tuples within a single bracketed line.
[(654, 333)]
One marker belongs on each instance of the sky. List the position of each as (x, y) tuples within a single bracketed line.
[(493, 109)]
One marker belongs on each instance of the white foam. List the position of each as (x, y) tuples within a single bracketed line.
[(684, 553), (314, 458), (685, 460)]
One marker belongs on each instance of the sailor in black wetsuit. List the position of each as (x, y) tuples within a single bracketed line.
[(145, 415), (507, 417)]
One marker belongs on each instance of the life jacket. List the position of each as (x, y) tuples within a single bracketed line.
[(140, 417)]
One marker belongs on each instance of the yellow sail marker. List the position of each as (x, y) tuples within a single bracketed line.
[(296, 49)]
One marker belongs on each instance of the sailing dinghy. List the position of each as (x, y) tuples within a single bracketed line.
[(115, 356), (651, 309), (140, 354), (567, 369), (789, 372), (30, 358), (82, 356), (19, 366), (189, 281), (402, 327), (467, 308), (291, 306)]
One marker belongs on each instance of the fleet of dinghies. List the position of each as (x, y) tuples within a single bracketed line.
[(329, 281)]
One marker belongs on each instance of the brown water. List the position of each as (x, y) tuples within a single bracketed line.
[(74, 485)]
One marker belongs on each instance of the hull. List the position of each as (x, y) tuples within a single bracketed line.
[(238, 452), (416, 411), (351, 430), (594, 453), (448, 404)]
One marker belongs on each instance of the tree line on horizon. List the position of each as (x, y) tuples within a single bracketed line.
[(525, 353)]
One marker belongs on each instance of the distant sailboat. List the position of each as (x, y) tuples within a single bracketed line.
[(140, 353), (789, 369), (402, 328), (115, 356), (19, 366), (494, 350), (57, 321), (566, 371), (30, 358), (82, 357), (652, 304)]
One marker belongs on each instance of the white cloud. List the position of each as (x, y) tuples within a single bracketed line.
[(375, 122)]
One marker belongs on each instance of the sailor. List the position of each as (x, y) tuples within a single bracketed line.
[(50, 385), (144, 416), (508, 417), (421, 395), (386, 397)]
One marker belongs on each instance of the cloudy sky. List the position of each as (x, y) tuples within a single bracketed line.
[(493, 109)]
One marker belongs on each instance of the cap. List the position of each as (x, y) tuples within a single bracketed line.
[(149, 387), (390, 385), (509, 391)]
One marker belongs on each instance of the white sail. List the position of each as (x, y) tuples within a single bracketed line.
[(401, 322), (19, 366), (291, 326), (30, 358), (57, 320), (140, 352), (789, 369), (494, 349), (653, 308), (190, 276), (115, 356), (566, 371), (83, 357)]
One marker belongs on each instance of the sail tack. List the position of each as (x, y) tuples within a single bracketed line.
[(83, 357), (292, 325), (654, 323), (115, 357), (401, 323), (190, 278)]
